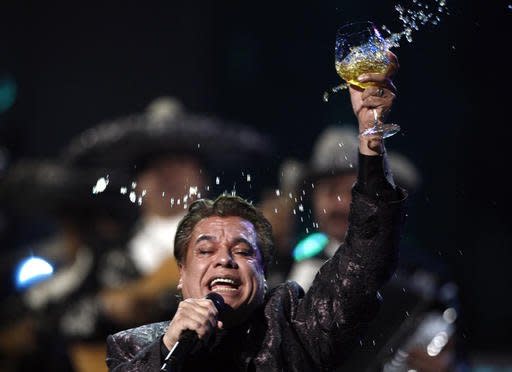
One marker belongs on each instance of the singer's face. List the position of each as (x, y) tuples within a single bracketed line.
[(223, 257)]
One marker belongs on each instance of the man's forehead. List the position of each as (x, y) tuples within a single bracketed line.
[(230, 226)]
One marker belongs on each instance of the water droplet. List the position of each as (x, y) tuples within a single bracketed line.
[(132, 196), (192, 190), (414, 18), (278, 192), (248, 178), (101, 185), (134, 185), (123, 190), (301, 208), (217, 180)]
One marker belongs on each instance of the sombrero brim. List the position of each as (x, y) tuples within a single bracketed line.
[(42, 187), (127, 143)]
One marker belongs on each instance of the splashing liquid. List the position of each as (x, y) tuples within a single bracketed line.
[(336, 89), (368, 58), (412, 18), (415, 17)]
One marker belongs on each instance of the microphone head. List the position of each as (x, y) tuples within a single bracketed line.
[(217, 300)]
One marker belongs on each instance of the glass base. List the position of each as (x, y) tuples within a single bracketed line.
[(384, 130)]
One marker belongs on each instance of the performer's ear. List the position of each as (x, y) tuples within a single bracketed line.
[(180, 285)]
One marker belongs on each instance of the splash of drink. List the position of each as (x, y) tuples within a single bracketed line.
[(369, 57), (412, 18), (415, 17)]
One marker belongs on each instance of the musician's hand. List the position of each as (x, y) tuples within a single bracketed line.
[(196, 314)]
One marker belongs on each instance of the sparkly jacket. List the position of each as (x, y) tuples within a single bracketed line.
[(293, 330)]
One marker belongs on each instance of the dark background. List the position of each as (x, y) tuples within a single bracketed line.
[(267, 64)]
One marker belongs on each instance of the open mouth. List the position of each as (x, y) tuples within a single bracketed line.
[(224, 284)]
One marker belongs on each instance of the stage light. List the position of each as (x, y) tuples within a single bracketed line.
[(32, 270), (310, 246), (8, 91)]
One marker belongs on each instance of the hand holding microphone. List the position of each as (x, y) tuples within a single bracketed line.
[(195, 319)]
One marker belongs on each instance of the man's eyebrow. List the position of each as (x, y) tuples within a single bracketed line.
[(235, 241), (204, 237), (241, 239)]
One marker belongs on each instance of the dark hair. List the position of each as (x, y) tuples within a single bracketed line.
[(225, 206)]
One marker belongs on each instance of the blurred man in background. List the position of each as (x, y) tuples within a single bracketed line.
[(170, 154), (54, 318), (420, 302), (279, 206)]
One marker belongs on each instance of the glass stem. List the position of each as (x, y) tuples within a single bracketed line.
[(376, 122)]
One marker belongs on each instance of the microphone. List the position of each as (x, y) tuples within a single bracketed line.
[(188, 338)]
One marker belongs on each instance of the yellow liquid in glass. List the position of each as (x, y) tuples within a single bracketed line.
[(359, 62)]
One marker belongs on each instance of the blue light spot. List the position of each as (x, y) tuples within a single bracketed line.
[(8, 92), (32, 270), (310, 246)]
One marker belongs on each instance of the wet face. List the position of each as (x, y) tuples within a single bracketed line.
[(331, 203), (223, 257)]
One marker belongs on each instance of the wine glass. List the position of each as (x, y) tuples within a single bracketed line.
[(361, 49)]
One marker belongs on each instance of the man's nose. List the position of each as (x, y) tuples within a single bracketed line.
[(225, 259)]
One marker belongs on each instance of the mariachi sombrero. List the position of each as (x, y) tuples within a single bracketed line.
[(165, 127)]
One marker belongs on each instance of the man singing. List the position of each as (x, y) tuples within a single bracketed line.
[(225, 246)]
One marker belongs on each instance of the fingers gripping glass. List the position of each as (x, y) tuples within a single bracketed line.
[(360, 49)]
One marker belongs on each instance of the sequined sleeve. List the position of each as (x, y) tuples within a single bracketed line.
[(136, 349), (344, 294)]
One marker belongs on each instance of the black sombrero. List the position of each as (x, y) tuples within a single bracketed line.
[(166, 128)]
